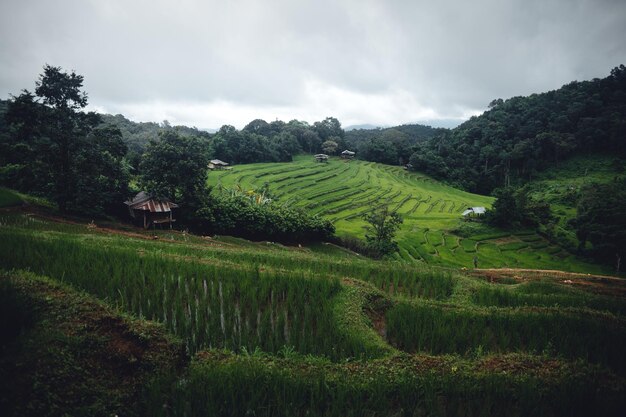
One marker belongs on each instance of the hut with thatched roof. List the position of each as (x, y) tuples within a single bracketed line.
[(347, 154), (150, 210), (217, 164)]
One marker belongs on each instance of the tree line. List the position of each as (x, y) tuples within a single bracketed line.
[(51, 147), (516, 138)]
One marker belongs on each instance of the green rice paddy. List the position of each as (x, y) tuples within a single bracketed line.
[(275, 330), (343, 191)]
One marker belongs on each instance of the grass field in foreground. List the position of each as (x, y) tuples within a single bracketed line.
[(343, 191), (290, 331)]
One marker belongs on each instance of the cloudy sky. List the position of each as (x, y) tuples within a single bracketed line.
[(209, 63)]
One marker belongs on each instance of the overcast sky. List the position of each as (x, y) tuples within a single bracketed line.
[(209, 63)]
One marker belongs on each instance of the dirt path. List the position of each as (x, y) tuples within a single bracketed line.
[(600, 284)]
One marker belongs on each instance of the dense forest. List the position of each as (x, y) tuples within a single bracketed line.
[(520, 136), (393, 145), (258, 141)]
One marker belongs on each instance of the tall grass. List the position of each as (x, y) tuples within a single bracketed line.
[(222, 384), (395, 278), (545, 294), (437, 329), (207, 306)]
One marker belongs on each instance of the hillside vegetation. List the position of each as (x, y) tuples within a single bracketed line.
[(315, 331), (520, 136), (433, 230)]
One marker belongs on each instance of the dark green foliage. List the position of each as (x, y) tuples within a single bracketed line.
[(517, 137), (378, 149), (505, 211), (9, 198), (391, 146), (240, 215), (514, 208), (137, 135), (601, 220), (382, 228), (52, 149), (102, 172), (175, 167)]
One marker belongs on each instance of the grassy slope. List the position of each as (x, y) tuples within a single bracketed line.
[(560, 186), (344, 191), (65, 353), (485, 367)]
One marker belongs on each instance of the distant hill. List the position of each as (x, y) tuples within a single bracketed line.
[(365, 126), (390, 145), (519, 137), (137, 134)]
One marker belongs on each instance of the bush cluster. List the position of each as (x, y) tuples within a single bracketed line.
[(239, 216)]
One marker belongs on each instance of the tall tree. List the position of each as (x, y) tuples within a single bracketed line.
[(381, 229), (175, 167), (601, 220), (52, 131)]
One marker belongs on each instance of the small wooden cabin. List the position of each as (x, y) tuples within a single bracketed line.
[(320, 157), (347, 154), (474, 212), (217, 164), (151, 210)]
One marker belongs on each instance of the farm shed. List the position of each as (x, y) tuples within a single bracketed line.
[(217, 164), (347, 154), (320, 157), (151, 210), (474, 212)]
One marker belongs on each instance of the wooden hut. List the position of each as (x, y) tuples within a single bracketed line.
[(217, 164), (320, 157), (347, 154), (151, 210), (474, 212)]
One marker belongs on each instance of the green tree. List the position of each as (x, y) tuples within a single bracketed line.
[(175, 167), (381, 229), (328, 128), (51, 136), (601, 220), (505, 211), (102, 171), (329, 146)]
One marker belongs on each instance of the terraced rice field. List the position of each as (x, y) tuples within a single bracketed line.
[(325, 332), (344, 191)]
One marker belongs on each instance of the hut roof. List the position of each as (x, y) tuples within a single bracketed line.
[(347, 152), (218, 162), (147, 202), (475, 210)]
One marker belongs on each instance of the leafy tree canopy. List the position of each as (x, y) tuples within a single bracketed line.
[(175, 167), (54, 151), (601, 220), (381, 229), (518, 137)]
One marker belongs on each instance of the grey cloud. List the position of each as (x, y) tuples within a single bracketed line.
[(451, 57)]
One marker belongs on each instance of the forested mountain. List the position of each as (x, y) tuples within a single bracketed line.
[(393, 145), (258, 141), (520, 136), (138, 134)]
